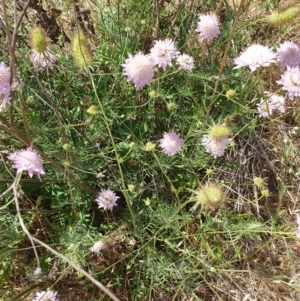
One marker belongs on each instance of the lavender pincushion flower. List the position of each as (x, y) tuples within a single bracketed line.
[(107, 199), (208, 26), (5, 87), (99, 245), (43, 60), (255, 56), (163, 52), (290, 81), (297, 233), (215, 146), (171, 143), (29, 160), (288, 54), (185, 62), (139, 69), (46, 296)]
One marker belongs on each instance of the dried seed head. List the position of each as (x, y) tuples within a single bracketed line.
[(211, 195)]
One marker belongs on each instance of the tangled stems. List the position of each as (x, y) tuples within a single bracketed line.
[(116, 153), (61, 256)]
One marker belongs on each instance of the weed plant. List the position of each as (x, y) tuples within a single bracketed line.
[(150, 147)]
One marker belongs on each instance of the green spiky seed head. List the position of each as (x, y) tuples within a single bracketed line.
[(209, 172), (149, 147), (81, 51), (211, 195), (265, 193), (230, 94), (284, 17), (220, 131), (38, 39), (259, 182)]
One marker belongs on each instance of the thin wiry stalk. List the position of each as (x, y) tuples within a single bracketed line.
[(61, 256)]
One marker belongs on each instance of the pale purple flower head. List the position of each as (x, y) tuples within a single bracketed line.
[(99, 245), (139, 69), (43, 60), (277, 102), (290, 81), (46, 296), (107, 199), (265, 108), (297, 233), (29, 160), (255, 56), (288, 54), (163, 52), (208, 26), (171, 143), (274, 102), (4, 75), (215, 146), (5, 87), (185, 62)]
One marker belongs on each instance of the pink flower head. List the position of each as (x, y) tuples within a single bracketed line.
[(288, 54), (277, 102), (215, 146), (297, 233), (99, 245), (185, 62), (4, 75), (171, 143), (28, 160), (46, 296), (139, 69), (163, 52), (255, 56), (290, 81), (5, 87), (107, 199), (43, 60), (208, 26)]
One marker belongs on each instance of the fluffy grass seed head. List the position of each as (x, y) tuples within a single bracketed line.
[(208, 26), (38, 39), (163, 52), (46, 296), (288, 54), (284, 17), (210, 195), (139, 69), (185, 62), (171, 143), (290, 82), (29, 160), (107, 199), (81, 50), (255, 56)]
